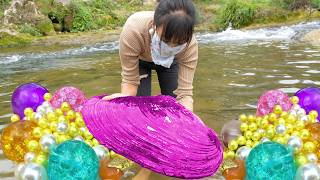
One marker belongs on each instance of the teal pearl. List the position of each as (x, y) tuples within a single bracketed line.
[(73, 160), (270, 160)]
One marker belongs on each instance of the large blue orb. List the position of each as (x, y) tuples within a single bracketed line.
[(270, 160), (73, 160)]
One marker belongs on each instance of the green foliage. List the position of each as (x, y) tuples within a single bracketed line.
[(7, 40), (237, 13), (82, 17), (29, 29)]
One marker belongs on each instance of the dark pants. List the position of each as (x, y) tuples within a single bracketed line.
[(167, 77)]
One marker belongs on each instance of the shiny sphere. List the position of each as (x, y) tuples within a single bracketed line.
[(289, 128), (264, 139), (277, 109), (299, 125), (281, 121), (313, 114), (233, 145), (304, 118), (301, 160), (251, 118), (281, 129), (295, 143), (87, 135), (38, 116), (47, 131), (58, 112), (248, 134), (47, 96), (256, 136), (53, 126), (51, 116), (79, 122), (15, 118), (33, 145), (228, 154), (241, 140), (28, 111), (253, 127), (243, 152), (41, 159), (101, 152), (95, 142), (61, 118), (73, 131), (41, 109), (312, 158), (62, 127), (309, 147), (249, 143), (304, 134), (272, 117), (291, 119), (268, 160), (49, 110), (308, 171), (295, 100), (284, 114), (81, 160), (37, 132), (70, 115), (47, 142), (32, 171), (270, 133), (29, 157), (78, 138), (62, 138), (43, 123), (244, 127), (65, 107)]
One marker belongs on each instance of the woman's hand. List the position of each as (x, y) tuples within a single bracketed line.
[(112, 96)]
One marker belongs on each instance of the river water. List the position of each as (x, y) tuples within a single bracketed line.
[(235, 67)]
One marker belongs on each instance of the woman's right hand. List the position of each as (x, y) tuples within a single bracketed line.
[(112, 96)]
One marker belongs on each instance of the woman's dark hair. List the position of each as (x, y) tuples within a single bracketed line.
[(177, 18)]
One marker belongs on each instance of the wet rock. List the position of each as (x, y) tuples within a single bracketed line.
[(313, 37)]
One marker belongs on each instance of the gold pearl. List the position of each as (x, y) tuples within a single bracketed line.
[(284, 115), (280, 140), (248, 134), (251, 118), (277, 109), (228, 154), (270, 133), (295, 133), (299, 125), (309, 147), (43, 123), (65, 107), (243, 118), (253, 127), (51, 116), (53, 126), (249, 143), (313, 114), (301, 160), (28, 111), (291, 119), (73, 131), (256, 136), (241, 140), (233, 145), (62, 119), (47, 96), (281, 121), (33, 145), (295, 100), (88, 142), (79, 122), (244, 127), (95, 142), (15, 118), (289, 128), (264, 123), (41, 159), (37, 132), (46, 131), (70, 115), (256, 143), (87, 135), (272, 117), (58, 112), (304, 134)]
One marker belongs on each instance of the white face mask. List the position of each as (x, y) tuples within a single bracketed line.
[(162, 54)]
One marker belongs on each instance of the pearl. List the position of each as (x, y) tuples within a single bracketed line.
[(33, 171), (295, 143), (47, 142), (29, 157), (62, 127), (281, 129), (243, 152), (308, 171), (101, 152)]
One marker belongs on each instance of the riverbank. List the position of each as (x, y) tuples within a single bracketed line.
[(211, 15)]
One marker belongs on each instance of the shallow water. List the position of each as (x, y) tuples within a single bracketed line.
[(234, 69)]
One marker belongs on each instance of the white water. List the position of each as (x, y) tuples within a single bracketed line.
[(264, 35)]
